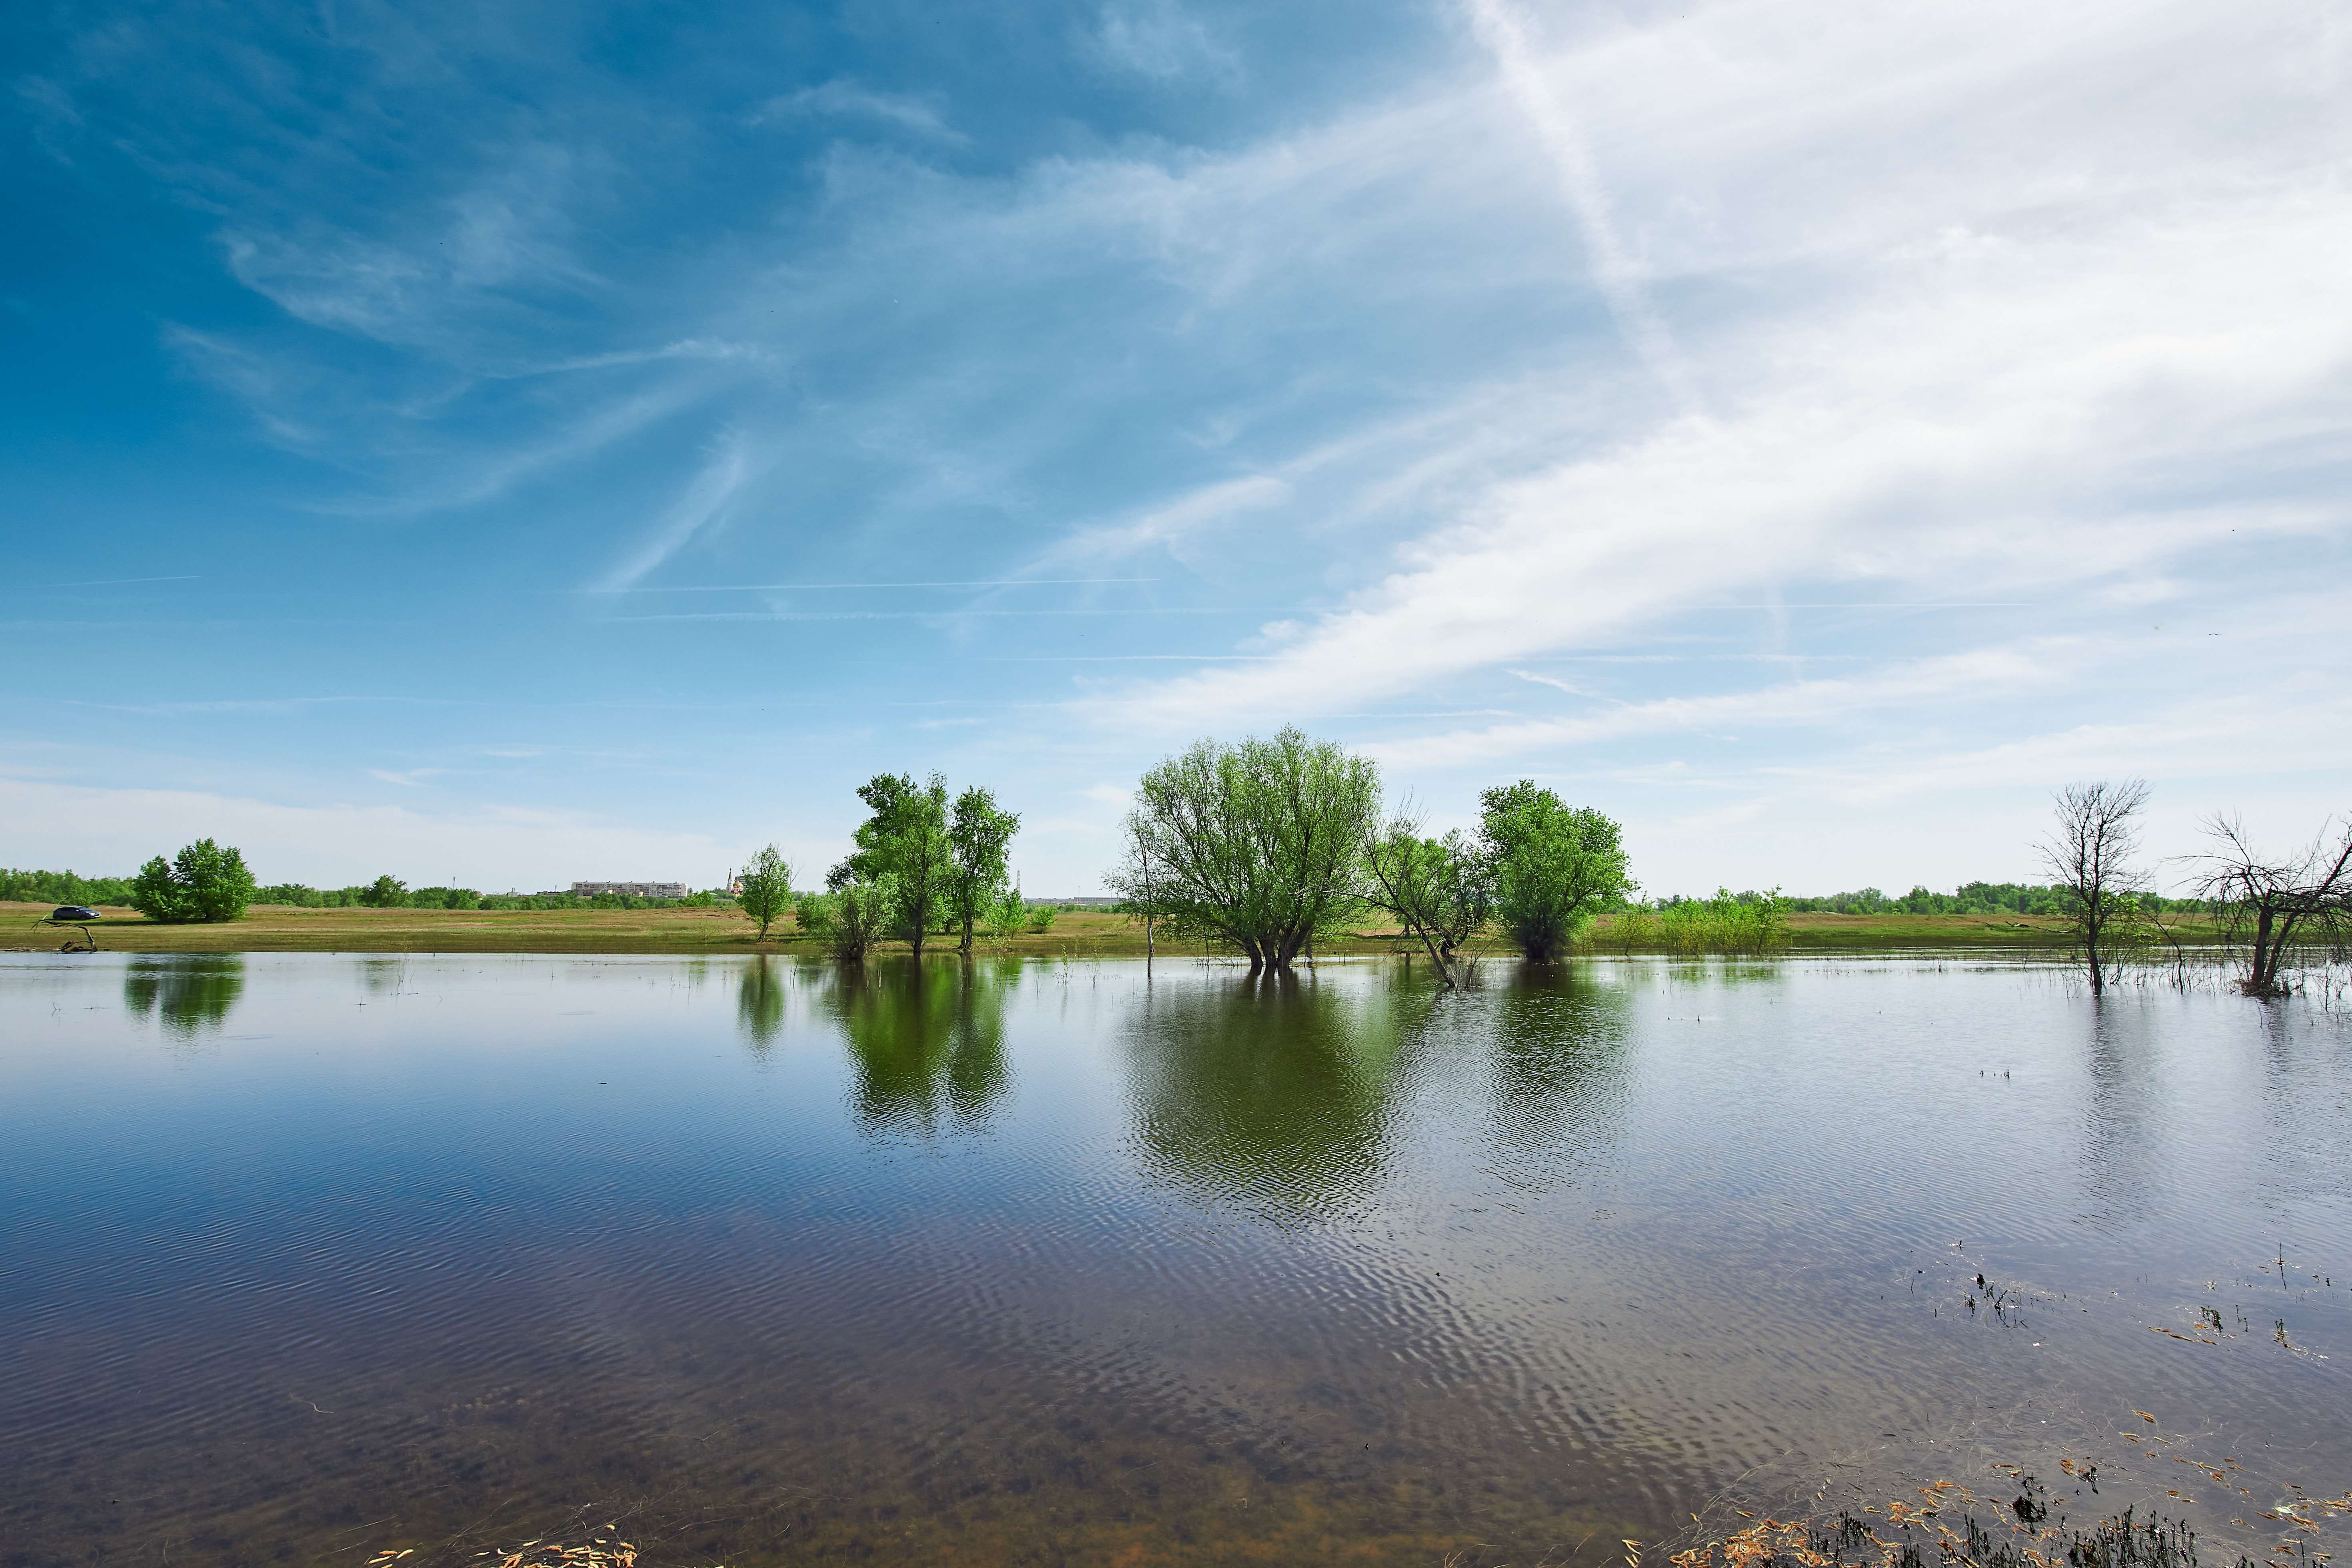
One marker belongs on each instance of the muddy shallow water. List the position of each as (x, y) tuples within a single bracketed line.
[(308, 1256)]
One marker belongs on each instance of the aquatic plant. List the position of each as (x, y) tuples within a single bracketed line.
[(2123, 1540), (1747, 924)]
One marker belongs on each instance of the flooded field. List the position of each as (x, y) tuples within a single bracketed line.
[(312, 1257)]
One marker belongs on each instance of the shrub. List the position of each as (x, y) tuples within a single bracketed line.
[(849, 920)]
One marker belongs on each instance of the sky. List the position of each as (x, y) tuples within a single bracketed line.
[(512, 442)]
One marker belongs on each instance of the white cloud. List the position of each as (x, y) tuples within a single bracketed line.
[(848, 99), (2006, 673), (1947, 373), (1615, 272), (731, 464), (1160, 39)]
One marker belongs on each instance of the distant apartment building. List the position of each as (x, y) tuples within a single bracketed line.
[(630, 889)]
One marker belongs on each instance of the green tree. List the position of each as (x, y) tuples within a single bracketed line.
[(978, 833), (1555, 866), (205, 881), (386, 892), (1254, 843), (1440, 889), (903, 853), (767, 888)]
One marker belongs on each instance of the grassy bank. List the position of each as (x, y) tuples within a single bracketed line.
[(277, 928)]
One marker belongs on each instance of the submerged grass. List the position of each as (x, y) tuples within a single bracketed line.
[(1847, 1542)]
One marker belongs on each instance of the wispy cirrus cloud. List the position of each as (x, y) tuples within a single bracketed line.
[(844, 99), (1512, 357)]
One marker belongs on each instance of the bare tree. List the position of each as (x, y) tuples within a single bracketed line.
[(2091, 859), (2270, 905)]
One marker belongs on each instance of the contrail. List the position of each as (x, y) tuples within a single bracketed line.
[(1614, 270)]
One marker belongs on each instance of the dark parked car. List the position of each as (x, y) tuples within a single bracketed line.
[(73, 912)]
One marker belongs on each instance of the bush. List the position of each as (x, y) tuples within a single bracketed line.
[(205, 881), (1041, 919), (1006, 917), (849, 920)]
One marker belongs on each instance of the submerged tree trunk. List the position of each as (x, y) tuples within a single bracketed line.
[(1440, 954), (2263, 978)]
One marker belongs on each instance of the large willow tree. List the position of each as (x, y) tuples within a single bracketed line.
[(1254, 844)]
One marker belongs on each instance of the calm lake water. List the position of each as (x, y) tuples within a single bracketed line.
[(308, 1255)]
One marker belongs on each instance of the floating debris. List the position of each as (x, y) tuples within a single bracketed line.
[(604, 1550)]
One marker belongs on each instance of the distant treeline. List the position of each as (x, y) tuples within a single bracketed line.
[(1975, 899), (1971, 898), (385, 893), (62, 888)]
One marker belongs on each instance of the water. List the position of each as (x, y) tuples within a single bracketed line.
[(307, 1256)]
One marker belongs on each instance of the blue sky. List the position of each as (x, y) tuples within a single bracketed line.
[(526, 442)]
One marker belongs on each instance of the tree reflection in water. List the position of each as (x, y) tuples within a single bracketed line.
[(759, 1001), (926, 1040), (1557, 1071), (187, 995), (1270, 1090)]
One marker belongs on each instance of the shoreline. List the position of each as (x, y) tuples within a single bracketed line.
[(278, 928)]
